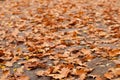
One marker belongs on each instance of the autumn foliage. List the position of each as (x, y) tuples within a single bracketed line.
[(59, 39)]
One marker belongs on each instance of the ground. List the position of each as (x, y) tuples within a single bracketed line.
[(59, 40)]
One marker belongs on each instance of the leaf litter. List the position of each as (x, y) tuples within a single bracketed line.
[(59, 39)]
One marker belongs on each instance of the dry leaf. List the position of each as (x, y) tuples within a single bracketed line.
[(19, 71), (114, 52), (9, 64), (116, 71), (33, 65), (62, 74), (23, 78), (46, 72), (64, 34), (61, 46), (2, 53), (4, 75), (80, 71), (109, 75), (15, 32), (98, 77), (85, 51), (117, 62)]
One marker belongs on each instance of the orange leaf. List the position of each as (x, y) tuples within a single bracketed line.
[(63, 73), (114, 52), (85, 51), (1, 53), (80, 72), (109, 75)]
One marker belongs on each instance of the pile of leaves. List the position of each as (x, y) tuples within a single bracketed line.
[(59, 40)]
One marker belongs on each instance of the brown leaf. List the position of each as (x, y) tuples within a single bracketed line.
[(61, 55), (4, 75), (33, 65), (15, 58), (61, 46), (63, 73), (109, 75), (85, 51), (88, 57), (1, 60), (23, 78), (80, 72), (82, 76), (2, 53), (9, 64), (19, 71), (15, 32), (40, 73), (69, 66), (102, 34), (46, 72), (67, 42), (114, 52), (98, 77), (117, 62), (20, 39), (116, 71)]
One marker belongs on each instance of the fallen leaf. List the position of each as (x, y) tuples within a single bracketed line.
[(85, 51), (2, 53), (82, 76), (9, 64), (4, 75), (114, 52), (33, 65), (1, 60), (19, 71), (115, 71), (109, 75), (98, 77), (117, 63), (62, 74), (80, 71), (102, 34), (40, 73), (23, 78), (60, 46), (15, 32), (45, 72)]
